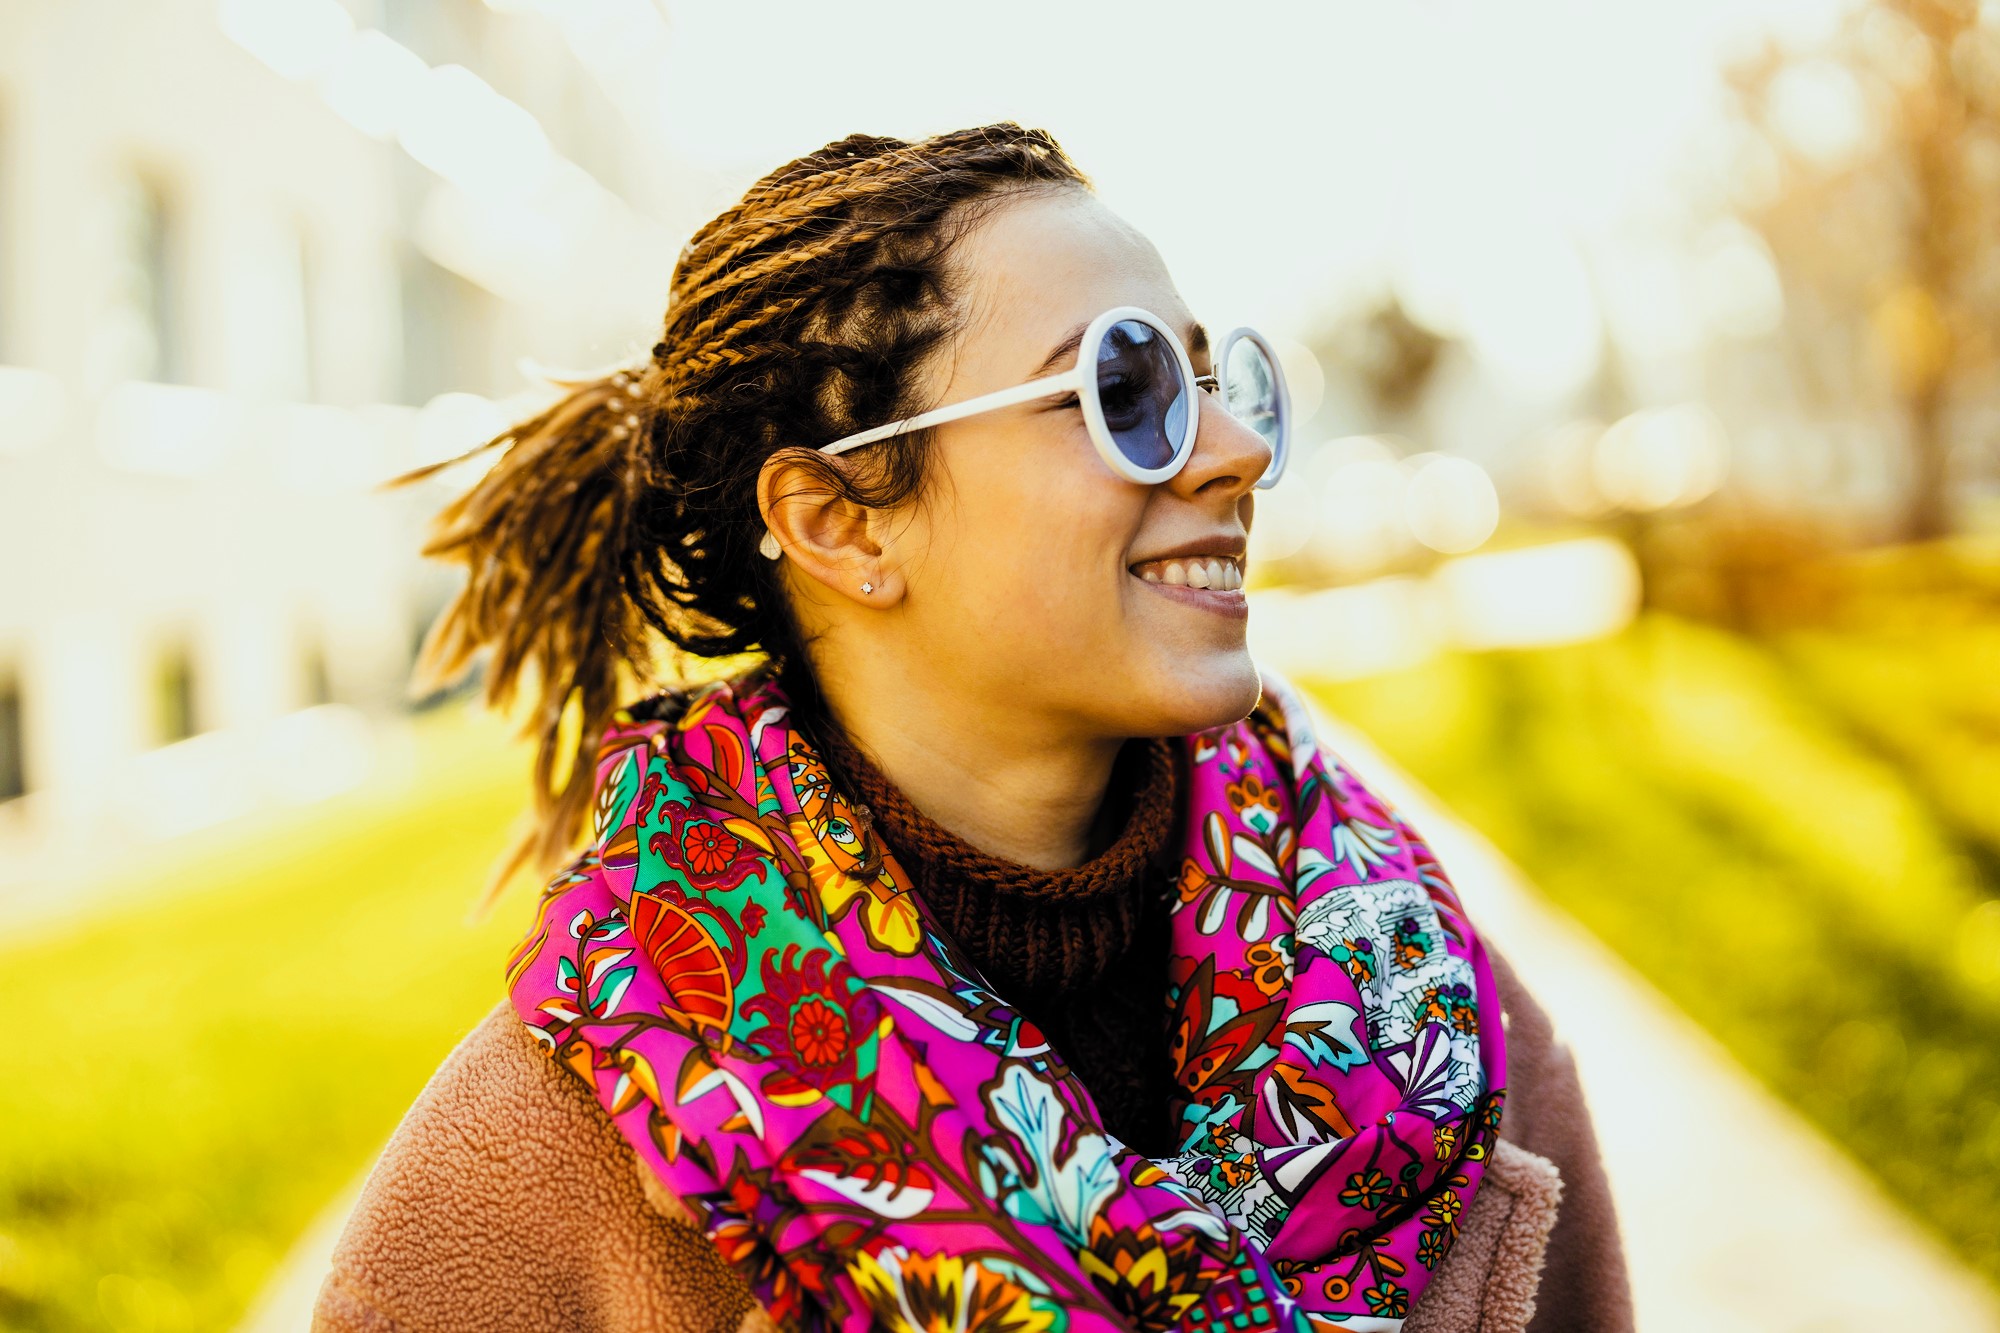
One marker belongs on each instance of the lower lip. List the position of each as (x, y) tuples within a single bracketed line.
[(1228, 602)]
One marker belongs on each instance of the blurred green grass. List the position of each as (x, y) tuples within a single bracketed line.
[(219, 1049), (1761, 827)]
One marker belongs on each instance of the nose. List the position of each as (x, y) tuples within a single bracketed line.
[(1228, 456)]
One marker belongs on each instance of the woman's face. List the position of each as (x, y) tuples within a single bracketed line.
[(1022, 575)]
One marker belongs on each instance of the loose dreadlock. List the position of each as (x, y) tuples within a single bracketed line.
[(626, 514)]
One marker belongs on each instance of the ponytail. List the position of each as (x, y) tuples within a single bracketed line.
[(542, 536)]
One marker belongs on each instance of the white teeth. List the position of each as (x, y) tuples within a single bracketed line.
[(1217, 573)]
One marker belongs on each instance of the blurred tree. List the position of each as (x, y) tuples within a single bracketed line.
[(1384, 358), (1873, 172), (1395, 357)]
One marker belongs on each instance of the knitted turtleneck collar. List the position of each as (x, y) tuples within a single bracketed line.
[(1034, 933)]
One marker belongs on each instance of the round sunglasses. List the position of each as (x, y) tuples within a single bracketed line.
[(1136, 386)]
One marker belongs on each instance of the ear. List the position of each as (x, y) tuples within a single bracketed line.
[(831, 540)]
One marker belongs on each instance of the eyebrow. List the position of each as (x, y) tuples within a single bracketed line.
[(1196, 340)]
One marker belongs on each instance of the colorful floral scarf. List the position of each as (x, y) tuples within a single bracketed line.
[(872, 1136)]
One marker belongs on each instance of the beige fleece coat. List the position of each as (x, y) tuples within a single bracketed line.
[(507, 1200)]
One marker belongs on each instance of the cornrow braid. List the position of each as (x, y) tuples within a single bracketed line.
[(806, 253), (799, 203), (799, 190), (703, 339), (620, 525)]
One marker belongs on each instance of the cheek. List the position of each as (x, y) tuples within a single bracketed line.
[(1043, 541)]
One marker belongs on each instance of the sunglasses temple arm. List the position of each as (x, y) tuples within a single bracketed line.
[(1047, 387)]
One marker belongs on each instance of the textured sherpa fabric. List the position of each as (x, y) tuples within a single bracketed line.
[(1487, 1284), (507, 1200)]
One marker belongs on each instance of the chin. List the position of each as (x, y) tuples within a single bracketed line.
[(1212, 693)]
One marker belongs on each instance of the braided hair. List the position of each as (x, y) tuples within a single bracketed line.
[(623, 520)]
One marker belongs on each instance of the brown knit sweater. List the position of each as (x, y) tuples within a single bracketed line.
[(1081, 952)]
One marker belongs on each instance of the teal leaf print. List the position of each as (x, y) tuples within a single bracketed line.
[(1066, 1194), (613, 989), (1324, 1034)]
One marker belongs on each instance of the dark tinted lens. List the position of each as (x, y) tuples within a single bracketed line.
[(1253, 391), (1140, 388)]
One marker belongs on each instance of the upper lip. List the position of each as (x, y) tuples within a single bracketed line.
[(1231, 544)]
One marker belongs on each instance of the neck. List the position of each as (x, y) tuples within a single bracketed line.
[(1014, 785)]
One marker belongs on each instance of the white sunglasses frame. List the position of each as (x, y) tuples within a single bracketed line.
[(1084, 386)]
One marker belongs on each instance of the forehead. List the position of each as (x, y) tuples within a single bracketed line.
[(1046, 262)]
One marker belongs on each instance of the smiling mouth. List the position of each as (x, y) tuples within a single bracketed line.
[(1215, 573)]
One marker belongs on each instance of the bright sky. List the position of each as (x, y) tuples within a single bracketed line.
[(1280, 154)]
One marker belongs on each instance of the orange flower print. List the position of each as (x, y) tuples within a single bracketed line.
[(937, 1293), (1193, 880), (1433, 1245), (1235, 1170), (1365, 1189), (1153, 1282), (819, 1034), (1388, 1300), (1445, 1139), (1267, 968), (709, 848), (1248, 793)]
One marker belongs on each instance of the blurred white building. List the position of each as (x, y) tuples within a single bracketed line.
[(228, 237)]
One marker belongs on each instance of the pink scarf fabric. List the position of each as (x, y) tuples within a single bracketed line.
[(874, 1138)]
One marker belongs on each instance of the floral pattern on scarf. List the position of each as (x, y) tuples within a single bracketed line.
[(874, 1138)]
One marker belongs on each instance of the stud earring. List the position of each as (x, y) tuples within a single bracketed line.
[(868, 587)]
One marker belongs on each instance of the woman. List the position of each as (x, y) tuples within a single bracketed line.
[(998, 951)]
